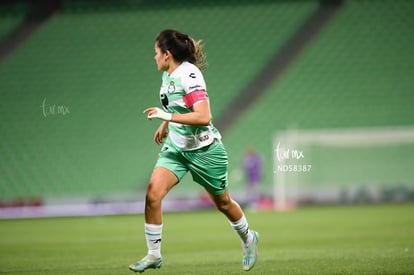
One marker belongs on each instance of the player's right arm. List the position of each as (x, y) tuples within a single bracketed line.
[(161, 133)]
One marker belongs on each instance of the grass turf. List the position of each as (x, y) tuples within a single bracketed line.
[(375, 239)]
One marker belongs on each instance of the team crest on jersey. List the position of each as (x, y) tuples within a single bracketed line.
[(171, 87)]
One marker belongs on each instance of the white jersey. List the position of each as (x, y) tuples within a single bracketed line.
[(179, 92)]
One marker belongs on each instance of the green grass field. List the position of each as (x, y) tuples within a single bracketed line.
[(374, 239)]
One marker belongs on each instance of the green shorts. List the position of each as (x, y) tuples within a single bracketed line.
[(208, 165)]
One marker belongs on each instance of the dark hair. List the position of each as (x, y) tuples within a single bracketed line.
[(182, 46)]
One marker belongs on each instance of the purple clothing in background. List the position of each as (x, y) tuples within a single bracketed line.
[(252, 167)]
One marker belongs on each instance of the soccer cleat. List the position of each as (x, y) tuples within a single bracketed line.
[(147, 262), (250, 253)]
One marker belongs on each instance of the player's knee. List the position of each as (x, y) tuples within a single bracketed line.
[(153, 195), (224, 205), (151, 198)]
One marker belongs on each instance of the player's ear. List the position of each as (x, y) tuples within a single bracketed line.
[(168, 54)]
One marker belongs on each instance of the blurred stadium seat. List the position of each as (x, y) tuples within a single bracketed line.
[(95, 60), (11, 17), (355, 73)]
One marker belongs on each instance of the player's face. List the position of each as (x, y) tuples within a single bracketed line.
[(160, 58)]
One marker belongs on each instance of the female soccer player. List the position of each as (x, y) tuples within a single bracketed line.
[(190, 144)]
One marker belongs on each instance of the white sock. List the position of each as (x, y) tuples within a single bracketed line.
[(153, 234), (241, 227)]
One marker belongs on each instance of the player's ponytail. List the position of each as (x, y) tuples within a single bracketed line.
[(198, 53), (183, 47)]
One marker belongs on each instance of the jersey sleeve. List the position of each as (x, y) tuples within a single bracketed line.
[(194, 87)]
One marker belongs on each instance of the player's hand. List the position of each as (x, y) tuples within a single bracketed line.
[(154, 112), (161, 133)]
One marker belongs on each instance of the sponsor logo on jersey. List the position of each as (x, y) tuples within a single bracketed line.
[(194, 87), (192, 75)]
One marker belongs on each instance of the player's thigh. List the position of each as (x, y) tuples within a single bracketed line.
[(208, 166), (161, 181), (169, 170)]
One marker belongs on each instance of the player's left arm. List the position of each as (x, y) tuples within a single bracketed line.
[(199, 116)]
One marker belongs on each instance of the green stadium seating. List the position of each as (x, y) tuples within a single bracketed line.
[(356, 73), (11, 17), (73, 93)]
